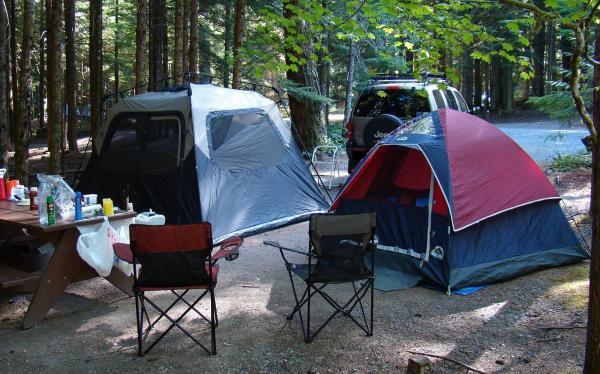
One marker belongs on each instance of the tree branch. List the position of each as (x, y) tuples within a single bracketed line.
[(574, 83), (470, 368)]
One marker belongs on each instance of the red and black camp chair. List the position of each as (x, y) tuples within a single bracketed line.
[(336, 254), (175, 258)]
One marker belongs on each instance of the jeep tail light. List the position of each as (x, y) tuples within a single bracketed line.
[(349, 130)]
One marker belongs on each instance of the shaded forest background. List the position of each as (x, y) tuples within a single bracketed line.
[(62, 54)]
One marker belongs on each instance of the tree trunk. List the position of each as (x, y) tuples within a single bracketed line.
[(141, 35), (116, 60), (71, 75), (158, 15), (193, 47), (238, 36), (23, 108), (566, 46), (55, 117), (96, 61), (4, 32), (350, 80), (186, 38), (467, 79), (227, 44), (495, 84), (178, 49), (551, 54), (539, 45), (42, 69), (592, 348), (477, 89), (14, 80), (204, 46), (507, 87), (306, 116)]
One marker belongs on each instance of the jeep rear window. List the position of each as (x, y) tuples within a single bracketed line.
[(402, 103)]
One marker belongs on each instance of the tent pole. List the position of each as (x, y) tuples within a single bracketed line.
[(429, 209)]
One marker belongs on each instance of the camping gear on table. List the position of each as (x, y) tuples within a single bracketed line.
[(33, 200), (174, 258), (62, 194), (336, 254), (490, 213), (108, 207), (205, 154)]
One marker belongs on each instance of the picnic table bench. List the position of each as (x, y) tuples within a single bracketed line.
[(63, 267)]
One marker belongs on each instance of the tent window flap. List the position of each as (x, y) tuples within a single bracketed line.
[(250, 133)]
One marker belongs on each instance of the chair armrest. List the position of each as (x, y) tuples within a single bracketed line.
[(229, 249), (277, 245), (123, 252)]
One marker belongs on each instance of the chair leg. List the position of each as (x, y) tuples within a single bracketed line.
[(372, 280), (139, 321), (213, 321), (308, 337)]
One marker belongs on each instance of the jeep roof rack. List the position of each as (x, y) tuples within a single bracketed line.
[(426, 77)]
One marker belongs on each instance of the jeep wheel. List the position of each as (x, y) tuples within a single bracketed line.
[(379, 127)]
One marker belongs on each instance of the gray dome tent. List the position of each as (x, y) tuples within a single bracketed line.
[(213, 154)]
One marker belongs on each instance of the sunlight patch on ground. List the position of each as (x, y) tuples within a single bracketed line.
[(571, 290)]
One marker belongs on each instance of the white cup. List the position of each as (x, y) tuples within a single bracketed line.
[(90, 199)]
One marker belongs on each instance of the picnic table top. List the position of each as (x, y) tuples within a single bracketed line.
[(21, 215)]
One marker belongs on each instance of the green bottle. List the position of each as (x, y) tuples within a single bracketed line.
[(51, 213)]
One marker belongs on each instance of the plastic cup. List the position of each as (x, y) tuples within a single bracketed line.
[(90, 199)]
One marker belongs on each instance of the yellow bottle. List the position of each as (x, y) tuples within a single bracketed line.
[(107, 206)]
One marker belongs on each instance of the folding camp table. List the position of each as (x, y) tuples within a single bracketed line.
[(64, 266)]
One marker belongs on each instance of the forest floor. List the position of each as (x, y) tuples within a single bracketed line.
[(532, 324)]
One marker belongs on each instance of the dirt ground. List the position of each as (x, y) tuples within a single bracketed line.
[(532, 324)]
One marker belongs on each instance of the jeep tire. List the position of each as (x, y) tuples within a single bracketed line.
[(378, 128)]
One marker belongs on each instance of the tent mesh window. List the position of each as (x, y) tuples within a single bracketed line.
[(143, 143), (423, 125), (242, 132)]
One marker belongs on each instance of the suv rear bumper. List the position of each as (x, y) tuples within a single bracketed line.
[(355, 154)]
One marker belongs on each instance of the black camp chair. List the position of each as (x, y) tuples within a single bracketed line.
[(337, 248), (174, 258)]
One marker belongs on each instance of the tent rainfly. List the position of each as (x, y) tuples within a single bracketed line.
[(459, 203), (207, 154)]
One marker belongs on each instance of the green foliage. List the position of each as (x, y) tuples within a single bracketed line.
[(564, 163)]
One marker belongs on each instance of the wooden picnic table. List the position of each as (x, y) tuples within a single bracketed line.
[(64, 266)]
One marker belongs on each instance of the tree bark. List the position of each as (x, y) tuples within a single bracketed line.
[(238, 36), (71, 75), (507, 87), (14, 80), (204, 46), (158, 15), (55, 98), (141, 36), (193, 47), (307, 116), (551, 53), (467, 79), (592, 348), (349, 80), (539, 45), (23, 108), (96, 62), (178, 49), (495, 84), (186, 38), (42, 69), (477, 78), (116, 59), (4, 32), (227, 44)]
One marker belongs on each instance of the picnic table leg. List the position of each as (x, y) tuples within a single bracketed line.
[(63, 268)]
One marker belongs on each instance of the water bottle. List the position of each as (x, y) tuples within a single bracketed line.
[(42, 207), (78, 210)]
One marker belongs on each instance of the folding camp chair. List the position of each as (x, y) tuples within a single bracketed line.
[(174, 258), (337, 248)]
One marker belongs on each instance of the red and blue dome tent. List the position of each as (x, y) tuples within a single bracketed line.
[(459, 203)]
